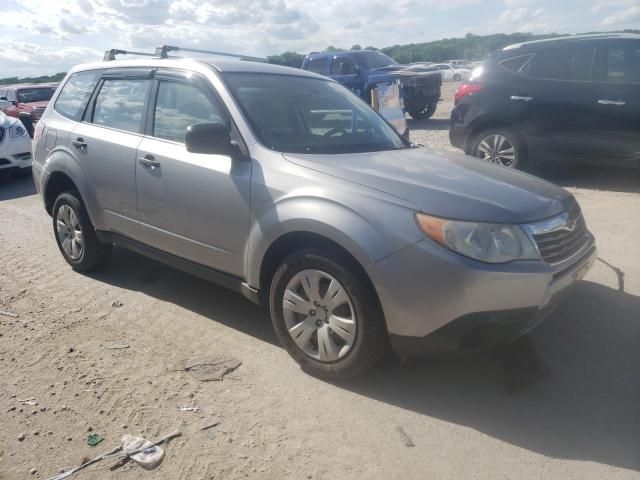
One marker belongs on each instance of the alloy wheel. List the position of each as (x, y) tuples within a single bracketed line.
[(69, 232), (319, 315), (498, 149)]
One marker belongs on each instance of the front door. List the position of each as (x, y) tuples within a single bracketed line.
[(343, 70), (195, 206)]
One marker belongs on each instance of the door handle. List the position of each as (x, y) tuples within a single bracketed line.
[(612, 102), (148, 161), (80, 144), (518, 98)]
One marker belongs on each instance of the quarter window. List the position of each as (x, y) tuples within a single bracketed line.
[(562, 64), (75, 94), (180, 105), (120, 104), (516, 64)]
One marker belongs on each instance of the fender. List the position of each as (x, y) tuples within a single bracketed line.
[(327, 218), (61, 160)]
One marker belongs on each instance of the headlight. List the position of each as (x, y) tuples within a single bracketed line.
[(17, 130), (487, 242)]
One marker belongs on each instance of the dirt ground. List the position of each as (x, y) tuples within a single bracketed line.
[(105, 353)]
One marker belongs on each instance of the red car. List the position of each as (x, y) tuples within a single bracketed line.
[(28, 101)]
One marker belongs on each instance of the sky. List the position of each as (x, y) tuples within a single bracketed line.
[(48, 36)]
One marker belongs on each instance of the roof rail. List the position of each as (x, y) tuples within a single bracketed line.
[(163, 52), (110, 55)]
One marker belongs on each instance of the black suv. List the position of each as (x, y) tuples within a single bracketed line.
[(572, 98)]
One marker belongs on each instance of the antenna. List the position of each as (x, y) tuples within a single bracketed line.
[(163, 52)]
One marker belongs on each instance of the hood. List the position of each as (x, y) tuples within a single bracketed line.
[(6, 121), (404, 70), (447, 185)]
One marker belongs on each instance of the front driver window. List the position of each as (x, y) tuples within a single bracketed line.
[(180, 105)]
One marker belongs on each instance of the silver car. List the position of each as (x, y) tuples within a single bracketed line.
[(284, 186)]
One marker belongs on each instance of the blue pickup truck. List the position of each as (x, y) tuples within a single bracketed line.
[(362, 70)]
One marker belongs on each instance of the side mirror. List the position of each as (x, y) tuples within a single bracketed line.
[(209, 138)]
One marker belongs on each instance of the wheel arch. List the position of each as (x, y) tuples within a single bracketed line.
[(490, 121)]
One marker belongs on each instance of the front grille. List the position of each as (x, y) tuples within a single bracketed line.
[(23, 156), (565, 240), (38, 112), (4, 161)]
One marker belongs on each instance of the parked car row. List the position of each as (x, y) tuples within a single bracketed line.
[(566, 99), (286, 187), (27, 101)]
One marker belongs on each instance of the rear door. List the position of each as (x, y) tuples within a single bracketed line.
[(106, 143), (191, 205), (617, 103), (555, 101)]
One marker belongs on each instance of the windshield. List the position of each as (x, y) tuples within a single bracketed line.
[(37, 94), (305, 115), (371, 60)]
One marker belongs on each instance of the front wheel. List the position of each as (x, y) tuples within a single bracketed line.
[(75, 235), (326, 316), (500, 146), (457, 77)]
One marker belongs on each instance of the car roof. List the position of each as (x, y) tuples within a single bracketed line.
[(558, 41), (224, 65)]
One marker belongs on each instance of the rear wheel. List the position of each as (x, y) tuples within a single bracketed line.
[(426, 112), (326, 316), (75, 235), (457, 77), (500, 146)]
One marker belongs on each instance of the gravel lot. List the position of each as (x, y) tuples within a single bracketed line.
[(105, 352)]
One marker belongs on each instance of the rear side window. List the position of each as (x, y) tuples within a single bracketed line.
[(180, 105), (120, 104), (317, 65), (75, 94), (572, 63), (622, 64)]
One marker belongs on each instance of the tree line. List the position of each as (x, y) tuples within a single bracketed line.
[(470, 47), (41, 79)]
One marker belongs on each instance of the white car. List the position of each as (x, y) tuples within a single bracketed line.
[(452, 74), (15, 146)]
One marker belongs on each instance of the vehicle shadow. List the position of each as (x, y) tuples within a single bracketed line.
[(131, 271), (573, 390), (579, 395), (595, 177), (16, 187), (428, 124)]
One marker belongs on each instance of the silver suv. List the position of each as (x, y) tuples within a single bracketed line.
[(284, 186)]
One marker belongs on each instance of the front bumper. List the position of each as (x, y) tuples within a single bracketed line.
[(15, 153), (435, 300)]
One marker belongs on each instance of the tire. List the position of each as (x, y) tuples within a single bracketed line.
[(426, 112), (366, 336), (83, 251), (484, 147), (457, 77)]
